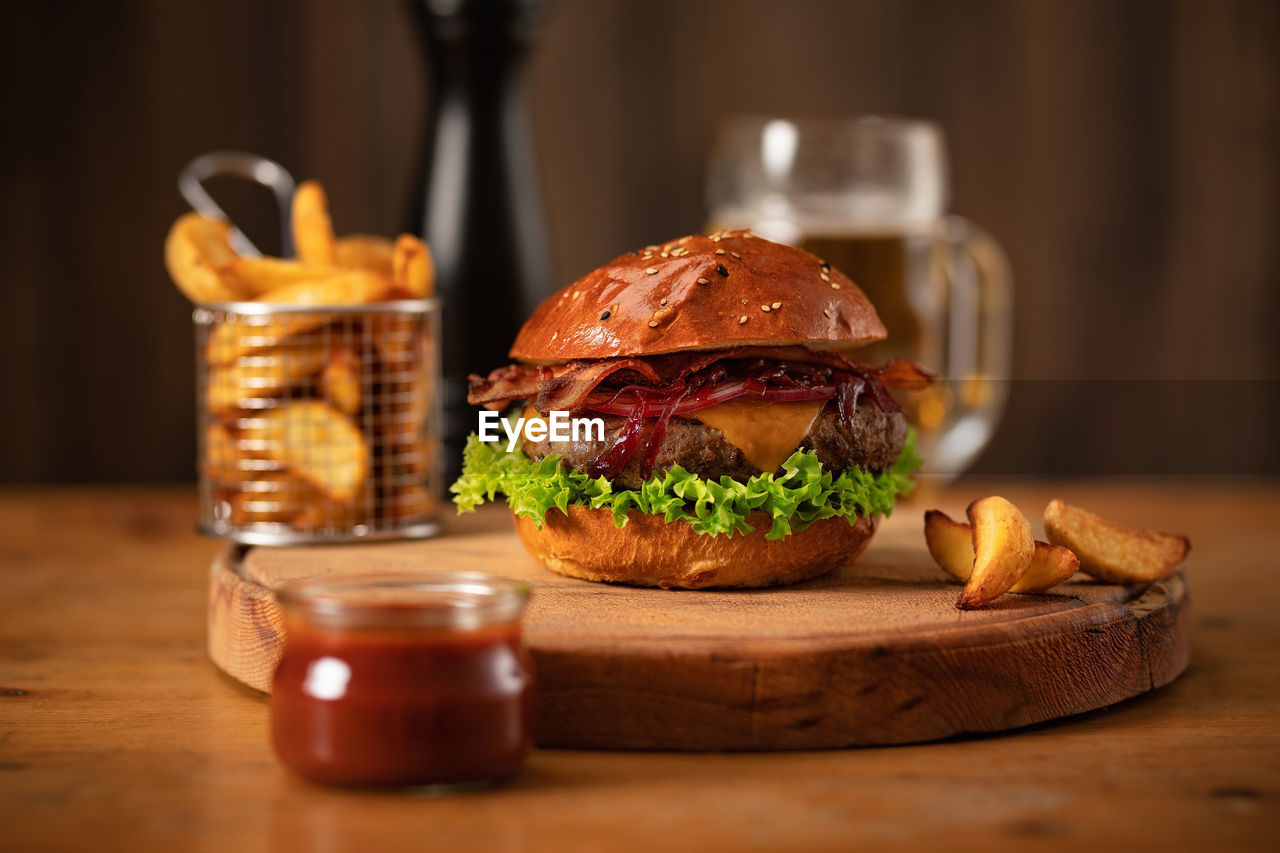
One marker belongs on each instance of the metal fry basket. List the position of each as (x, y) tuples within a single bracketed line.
[(318, 423)]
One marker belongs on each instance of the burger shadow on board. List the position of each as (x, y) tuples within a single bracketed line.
[(723, 369)]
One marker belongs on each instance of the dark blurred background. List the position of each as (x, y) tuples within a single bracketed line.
[(1125, 152)]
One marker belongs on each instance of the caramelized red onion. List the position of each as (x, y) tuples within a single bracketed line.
[(649, 392)]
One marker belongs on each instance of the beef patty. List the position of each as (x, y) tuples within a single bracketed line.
[(873, 443)]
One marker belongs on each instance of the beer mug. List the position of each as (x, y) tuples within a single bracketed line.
[(868, 196)]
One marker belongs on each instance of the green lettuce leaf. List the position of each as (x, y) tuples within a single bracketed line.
[(803, 494)]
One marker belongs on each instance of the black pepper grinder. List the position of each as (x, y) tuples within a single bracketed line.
[(480, 205)]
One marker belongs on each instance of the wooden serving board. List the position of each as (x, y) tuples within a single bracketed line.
[(874, 653)]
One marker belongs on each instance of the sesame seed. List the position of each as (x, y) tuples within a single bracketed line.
[(704, 281), (605, 315), (664, 255), (777, 305), (736, 255), (826, 312), (721, 269), (653, 324), (719, 251), (824, 277), (715, 239), (662, 301), (835, 286), (764, 308), (742, 319), (651, 271)]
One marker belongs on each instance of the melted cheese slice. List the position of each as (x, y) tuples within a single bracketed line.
[(766, 433)]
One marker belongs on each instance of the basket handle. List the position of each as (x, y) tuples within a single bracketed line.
[(251, 167)]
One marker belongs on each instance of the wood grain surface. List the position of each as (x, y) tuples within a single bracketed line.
[(116, 733), (873, 653)]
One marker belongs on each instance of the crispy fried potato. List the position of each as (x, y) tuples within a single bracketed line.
[(1003, 547), (340, 380), (254, 277), (254, 334), (229, 341), (194, 252), (413, 269), (395, 337), (228, 459), (325, 514), (339, 287), (365, 252), (312, 228), (320, 444), (272, 499), (951, 546), (262, 375), (410, 454), (411, 501), (1110, 551)]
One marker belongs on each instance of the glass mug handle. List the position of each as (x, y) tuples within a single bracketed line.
[(978, 334)]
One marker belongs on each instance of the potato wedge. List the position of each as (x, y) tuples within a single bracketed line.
[(312, 228), (411, 501), (229, 341), (396, 337), (365, 252), (339, 287), (950, 544), (272, 498), (228, 459), (1113, 552), (262, 375), (254, 277), (320, 444), (413, 269), (1003, 547), (194, 252), (340, 380)]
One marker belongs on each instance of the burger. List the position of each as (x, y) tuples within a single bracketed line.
[(737, 441)]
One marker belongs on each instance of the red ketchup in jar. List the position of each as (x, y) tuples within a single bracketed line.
[(406, 680)]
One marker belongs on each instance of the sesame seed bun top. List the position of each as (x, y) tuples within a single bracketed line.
[(702, 292)]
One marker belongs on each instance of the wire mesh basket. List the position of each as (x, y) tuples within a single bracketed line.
[(318, 423)]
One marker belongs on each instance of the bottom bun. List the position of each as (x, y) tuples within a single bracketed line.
[(653, 552)]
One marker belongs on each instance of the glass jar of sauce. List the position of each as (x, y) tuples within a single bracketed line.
[(405, 680)]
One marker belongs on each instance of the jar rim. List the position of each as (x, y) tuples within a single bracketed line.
[(459, 600)]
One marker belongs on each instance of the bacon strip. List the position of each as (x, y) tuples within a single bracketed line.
[(566, 387)]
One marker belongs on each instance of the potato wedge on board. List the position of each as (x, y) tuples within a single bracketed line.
[(365, 252), (263, 375), (340, 380), (1003, 547), (194, 252), (320, 444), (412, 268), (1110, 551), (950, 544), (312, 228)]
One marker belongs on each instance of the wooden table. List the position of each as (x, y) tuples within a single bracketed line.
[(117, 733)]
